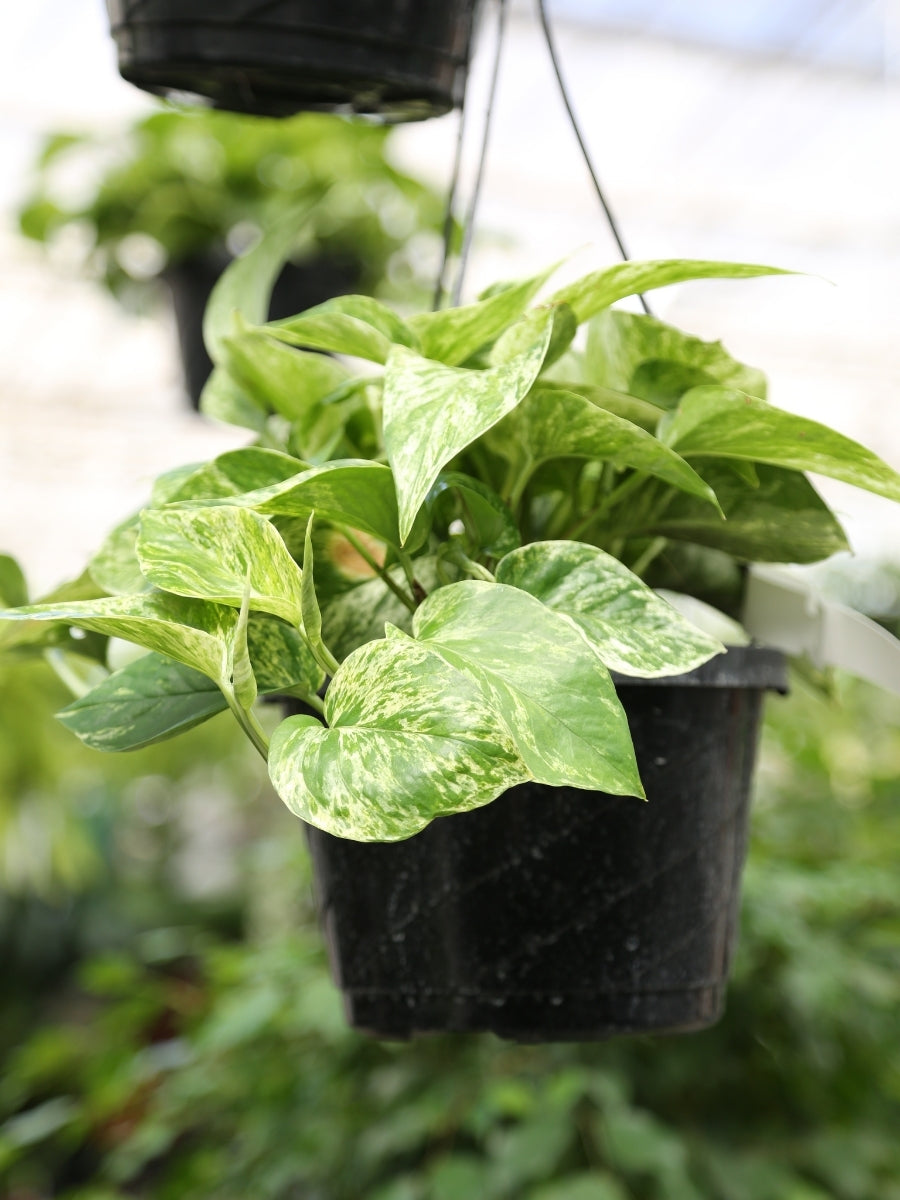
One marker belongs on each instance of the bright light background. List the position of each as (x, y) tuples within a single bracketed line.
[(762, 132)]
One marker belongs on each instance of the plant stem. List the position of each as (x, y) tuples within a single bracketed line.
[(473, 568), (609, 501), (247, 720), (379, 570), (643, 561)]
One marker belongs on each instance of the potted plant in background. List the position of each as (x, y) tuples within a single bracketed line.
[(398, 60), (444, 559), (176, 195)]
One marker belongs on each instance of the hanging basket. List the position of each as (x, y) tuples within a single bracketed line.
[(398, 59), (555, 914)]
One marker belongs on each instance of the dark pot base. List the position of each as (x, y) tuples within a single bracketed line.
[(555, 914)]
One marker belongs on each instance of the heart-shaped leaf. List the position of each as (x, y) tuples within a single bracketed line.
[(723, 423), (432, 412), (355, 325), (213, 553), (286, 380), (541, 676), (410, 739), (632, 629)]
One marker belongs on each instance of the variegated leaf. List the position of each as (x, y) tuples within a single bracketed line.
[(487, 520), (281, 657), (600, 289), (554, 423), (230, 475), (351, 492), (541, 676), (778, 517), (222, 399), (632, 629), (148, 700), (432, 412), (211, 553), (723, 423), (633, 353), (193, 632), (243, 682), (453, 335), (410, 739)]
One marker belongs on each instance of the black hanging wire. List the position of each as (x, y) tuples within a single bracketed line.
[(469, 220), (573, 121)]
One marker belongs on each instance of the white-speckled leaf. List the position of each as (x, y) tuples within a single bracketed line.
[(410, 739), (222, 399), (150, 699), (432, 412), (723, 423), (352, 492), (231, 474), (633, 353), (452, 335), (600, 289), (552, 422), (281, 657), (211, 553), (632, 629), (193, 632), (542, 676)]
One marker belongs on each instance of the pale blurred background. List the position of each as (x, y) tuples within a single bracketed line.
[(760, 132)]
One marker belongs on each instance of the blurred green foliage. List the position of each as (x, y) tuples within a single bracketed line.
[(179, 184), (195, 1061)]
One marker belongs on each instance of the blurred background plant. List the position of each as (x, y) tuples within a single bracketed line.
[(163, 205), (181, 1037)]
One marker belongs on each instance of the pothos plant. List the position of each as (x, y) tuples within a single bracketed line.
[(445, 553)]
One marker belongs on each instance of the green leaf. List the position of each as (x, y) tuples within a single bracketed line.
[(644, 357), (351, 492), (222, 399), (432, 412), (486, 518), (231, 474), (115, 567), (600, 289), (517, 338), (779, 519), (13, 588), (554, 694), (193, 632), (312, 617), (286, 380), (552, 422), (728, 424), (453, 335), (281, 657), (631, 408), (212, 553), (355, 325), (150, 699), (632, 629), (246, 284), (410, 739)]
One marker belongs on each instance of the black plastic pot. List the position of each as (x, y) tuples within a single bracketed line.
[(555, 914), (401, 59), (298, 287)]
